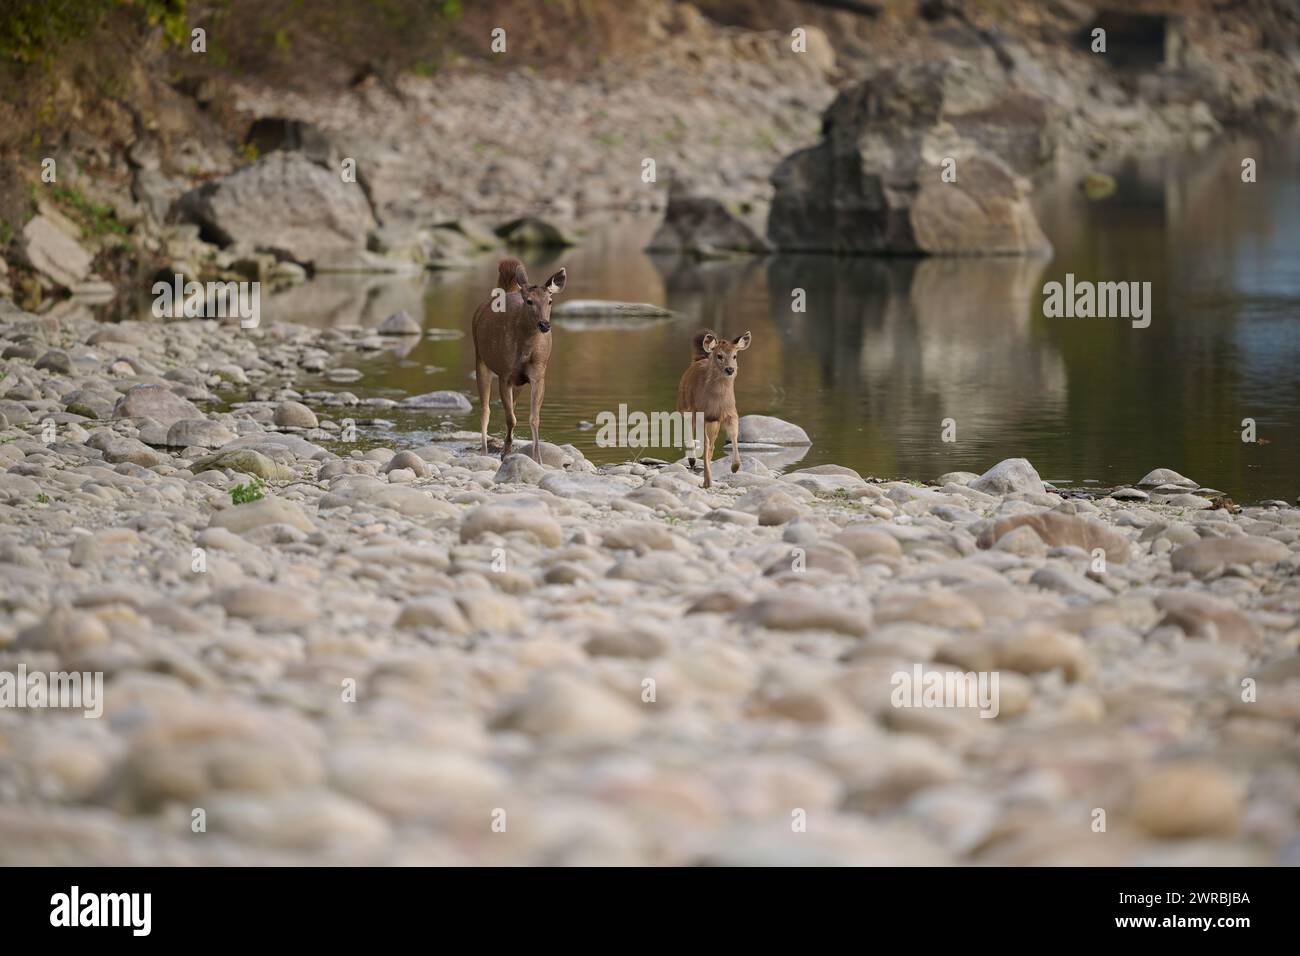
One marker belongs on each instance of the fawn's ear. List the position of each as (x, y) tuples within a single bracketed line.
[(708, 343), (556, 282), (742, 343)]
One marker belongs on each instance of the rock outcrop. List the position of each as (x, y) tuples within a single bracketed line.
[(705, 227), (284, 203), (925, 160)]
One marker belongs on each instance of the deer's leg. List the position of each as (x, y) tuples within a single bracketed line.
[(483, 377), (710, 436), (535, 394), (508, 405), (693, 439), (733, 434)]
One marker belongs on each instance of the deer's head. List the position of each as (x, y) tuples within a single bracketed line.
[(722, 354), (537, 300)]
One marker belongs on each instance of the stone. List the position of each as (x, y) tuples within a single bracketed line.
[(407, 460), (53, 253), (936, 608), (703, 226), (295, 415), (65, 631), (1059, 529), (439, 613), (400, 323), (243, 518), (531, 232), (1022, 541), (271, 605), (1007, 477), (519, 468), (639, 536), (1186, 800), (874, 183), (282, 203), (245, 461), (446, 401), (1207, 617), (502, 519), (793, 613), (560, 706), (635, 642), (198, 433), (156, 402), (869, 544), (1166, 476), (766, 430), (778, 509), (55, 360), (1203, 556)]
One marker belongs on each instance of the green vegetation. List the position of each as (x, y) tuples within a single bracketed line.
[(42, 498), (34, 31), (96, 218), (254, 490)]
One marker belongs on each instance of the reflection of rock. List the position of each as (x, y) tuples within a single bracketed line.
[(332, 300), (966, 294), (957, 330), (698, 288), (773, 456), (950, 335), (877, 184)]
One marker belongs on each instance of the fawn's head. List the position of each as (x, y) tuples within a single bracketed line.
[(537, 300), (723, 354)]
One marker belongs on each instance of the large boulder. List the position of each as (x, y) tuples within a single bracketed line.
[(704, 227), (52, 252), (876, 183), (284, 203)]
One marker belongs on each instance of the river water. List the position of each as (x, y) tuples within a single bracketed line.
[(886, 350)]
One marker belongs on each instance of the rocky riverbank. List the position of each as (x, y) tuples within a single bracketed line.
[(428, 655), (214, 175)]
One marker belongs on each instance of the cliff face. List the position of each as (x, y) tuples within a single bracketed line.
[(562, 122)]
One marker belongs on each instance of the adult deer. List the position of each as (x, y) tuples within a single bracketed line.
[(512, 339), (708, 387)]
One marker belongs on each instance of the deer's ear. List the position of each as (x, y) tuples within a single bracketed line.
[(708, 343), (742, 343), (556, 282)]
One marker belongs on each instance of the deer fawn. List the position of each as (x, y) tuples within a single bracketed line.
[(708, 387), (513, 341)]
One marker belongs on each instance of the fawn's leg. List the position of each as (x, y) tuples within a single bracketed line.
[(508, 405), (733, 434), (483, 377), (536, 392), (710, 436)]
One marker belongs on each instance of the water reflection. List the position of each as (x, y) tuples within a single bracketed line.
[(884, 350)]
